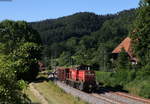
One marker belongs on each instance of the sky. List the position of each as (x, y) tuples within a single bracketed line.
[(36, 10)]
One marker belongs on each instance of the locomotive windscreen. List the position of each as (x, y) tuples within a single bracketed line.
[(83, 67)]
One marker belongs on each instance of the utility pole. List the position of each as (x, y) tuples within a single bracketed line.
[(104, 59)]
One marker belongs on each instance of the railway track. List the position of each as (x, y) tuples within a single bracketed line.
[(133, 97), (82, 95), (111, 101), (128, 97), (107, 97)]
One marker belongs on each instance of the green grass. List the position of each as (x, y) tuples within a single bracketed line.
[(31, 96), (55, 95)]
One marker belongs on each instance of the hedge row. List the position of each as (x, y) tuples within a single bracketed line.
[(135, 82)]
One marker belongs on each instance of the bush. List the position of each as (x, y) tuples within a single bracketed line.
[(139, 87), (136, 82), (123, 77), (145, 90), (104, 77), (120, 78)]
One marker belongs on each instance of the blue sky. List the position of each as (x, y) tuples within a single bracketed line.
[(35, 10)]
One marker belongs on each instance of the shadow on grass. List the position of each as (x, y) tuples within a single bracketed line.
[(40, 79), (107, 89)]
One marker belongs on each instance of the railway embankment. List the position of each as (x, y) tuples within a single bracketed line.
[(103, 96), (49, 93)]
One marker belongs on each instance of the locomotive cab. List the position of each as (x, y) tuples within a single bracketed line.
[(85, 73), (83, 67), (86, 76)]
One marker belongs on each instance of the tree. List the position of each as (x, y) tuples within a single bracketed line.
[(71, 44), (18, 60), (65, 59), (101, 56), (141, 34), (122, 61), (13, 33), (10, 88), (25, 60)]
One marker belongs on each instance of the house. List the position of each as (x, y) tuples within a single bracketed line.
[(126, 44)]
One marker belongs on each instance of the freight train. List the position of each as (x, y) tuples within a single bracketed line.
[(80, 77)]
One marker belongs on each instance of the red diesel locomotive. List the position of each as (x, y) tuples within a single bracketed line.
[(80, 77)]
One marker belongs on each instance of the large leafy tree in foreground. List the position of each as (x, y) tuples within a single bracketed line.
[(13, 33), (10, 87), (19, 54), (141, 34), (25, 60), (22, 44)]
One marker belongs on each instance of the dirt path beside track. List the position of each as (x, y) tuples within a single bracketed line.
[(37, 94)]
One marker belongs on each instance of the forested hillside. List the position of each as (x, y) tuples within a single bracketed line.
[(76, 25), (87, 38), (84, 38)]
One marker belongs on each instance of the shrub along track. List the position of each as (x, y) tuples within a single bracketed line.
[(105, 97)]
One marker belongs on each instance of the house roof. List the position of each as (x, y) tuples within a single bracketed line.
[(126, 45)]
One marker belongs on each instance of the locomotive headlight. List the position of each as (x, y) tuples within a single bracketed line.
[(90, 86), (87, 73)]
